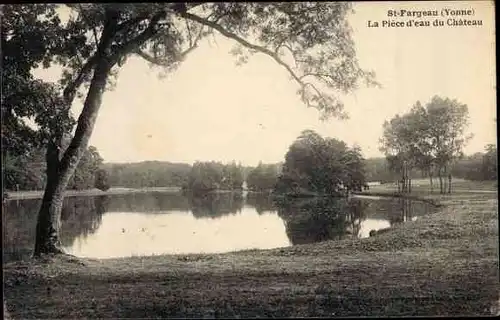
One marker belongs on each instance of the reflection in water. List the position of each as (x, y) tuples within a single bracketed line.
[(261, 203), (80, 217), (156, 223), (214, 205), (153, 202), (322, 219), (399, 210), (178, 232)]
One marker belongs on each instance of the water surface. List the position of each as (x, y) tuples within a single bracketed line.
[(159, 223)]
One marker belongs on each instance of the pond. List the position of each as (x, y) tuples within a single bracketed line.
[(159, 223)]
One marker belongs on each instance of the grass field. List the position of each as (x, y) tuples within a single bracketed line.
[(458, 185), (442, 264)]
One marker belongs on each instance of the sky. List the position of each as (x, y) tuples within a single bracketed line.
[(211, 109)]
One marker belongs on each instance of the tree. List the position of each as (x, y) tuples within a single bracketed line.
[(209, 176), (304, 163), (205, 177), (398, 143), (25, 43), (147, 174), (23, 172), (232, 176), (263, 178), (377, 170), (421, 141), (479, 166), (469, 167), (321, 165), (85, 173), (98, 39), (490, 163), (102, 180), (355, 165), (426, 138), (447, 121), (27, 172)]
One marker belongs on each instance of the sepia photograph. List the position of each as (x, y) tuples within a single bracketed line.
[(249, 160)]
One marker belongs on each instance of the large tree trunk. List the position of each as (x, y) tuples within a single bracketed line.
[(59, 172), (48, 225)]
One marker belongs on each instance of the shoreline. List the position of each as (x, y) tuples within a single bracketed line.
[(38, 194), (390, 194), (414, 269), (22, 195)]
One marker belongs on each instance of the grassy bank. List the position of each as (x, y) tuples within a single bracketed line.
[(441, 264)]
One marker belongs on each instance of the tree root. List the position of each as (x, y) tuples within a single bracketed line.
[(58, 255)]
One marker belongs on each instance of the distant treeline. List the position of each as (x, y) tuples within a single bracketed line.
[(27, 172), (481, 166), (378, 170), (147, 174), (201, 176)]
